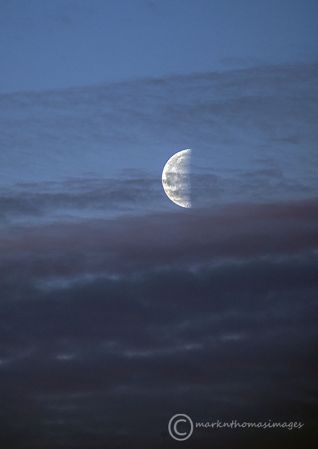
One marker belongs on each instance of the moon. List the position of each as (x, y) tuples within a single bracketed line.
[(176, 178)]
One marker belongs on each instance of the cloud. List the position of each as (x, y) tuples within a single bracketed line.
[(231, 120), (77, 198), (111, 324), (186, 238), (118, 309)]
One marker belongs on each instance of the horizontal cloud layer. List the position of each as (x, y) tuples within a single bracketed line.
[(111, 324)]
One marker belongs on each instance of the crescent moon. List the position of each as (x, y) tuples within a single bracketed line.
[(176, 179)]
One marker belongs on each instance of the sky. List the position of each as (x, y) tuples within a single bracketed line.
[(65, 43), (119, 309)]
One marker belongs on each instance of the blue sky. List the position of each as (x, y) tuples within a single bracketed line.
[(104, 90), (52, 44), (118, 308), (252, 131)]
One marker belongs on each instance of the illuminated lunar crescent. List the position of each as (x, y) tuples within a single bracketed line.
[(176, 178)]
